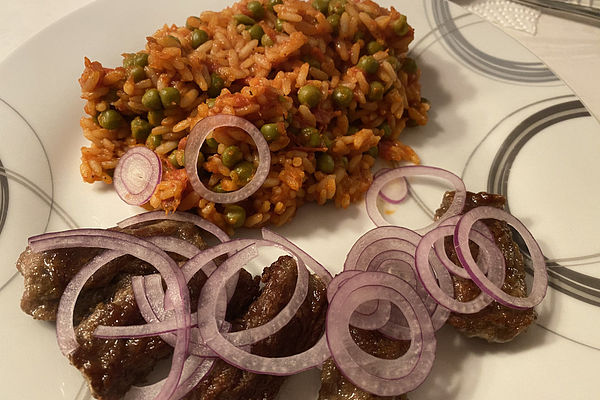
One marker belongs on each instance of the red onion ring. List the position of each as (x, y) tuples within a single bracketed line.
[(440, 248), (138, 173), (310, 262), (176, 216), (491, 254), (207, 324), (379, 240), (461, 244), (378, 376), (253, 335), (174, 245), (194, 370), (369, 315), (121, 243), (197, 136), (414, 170)]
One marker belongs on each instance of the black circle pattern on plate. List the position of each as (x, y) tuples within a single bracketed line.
[(482, 62), (7, 174), (4, 196), (575, 284)]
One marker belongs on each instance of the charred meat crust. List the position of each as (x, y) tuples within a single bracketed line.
[(226, 382), (495, 323)]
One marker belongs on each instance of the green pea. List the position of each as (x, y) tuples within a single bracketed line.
[(216, 84), (244, 171), (235, 215), (336, 7), (169, 97), (321, 5), (359, 36), (110, 119), (138, 73), (140, 59), (153, 141), (155, 117), (278, 25), (368, 64), (400, 26), (256, 31), (345, 161), (342, 96), (327, 141), (200, 160), (256, 9), (386, 130), (394, 62), (352, 130), (373, 47), (309, 95), (270, 132), (273, 3), (171, 41), (211, 102), (314, 140), (325, 163), (140, 129), (376, 90), (218, 188), (192, 22), (311, 136), (199, 37), (210, 145), (266, 41), (425, 100), (231, 156), (151, 99), (373, 151), (111, 96), (334, 21), (313, 62), (409, 66), (243, 19), (128, 60), (176, 158)]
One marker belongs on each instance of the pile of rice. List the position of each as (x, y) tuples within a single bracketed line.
[(261, 83)]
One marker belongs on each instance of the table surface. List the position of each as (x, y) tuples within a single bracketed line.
[(569, 46)]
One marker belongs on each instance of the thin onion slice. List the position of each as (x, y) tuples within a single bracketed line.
[(176, 216), (253, 335), (122, 243), (207, 324), (440, 248), (174, 245), (490, 253), (461, 243), (310, 262), (138, 173), (379, 240), (197, 136), (379, 376), (414, 170), (194, 370)]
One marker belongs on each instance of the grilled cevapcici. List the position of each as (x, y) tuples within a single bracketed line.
[(245, 338), (111, 367)]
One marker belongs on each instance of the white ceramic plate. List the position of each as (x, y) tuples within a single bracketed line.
[(500, 119)]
